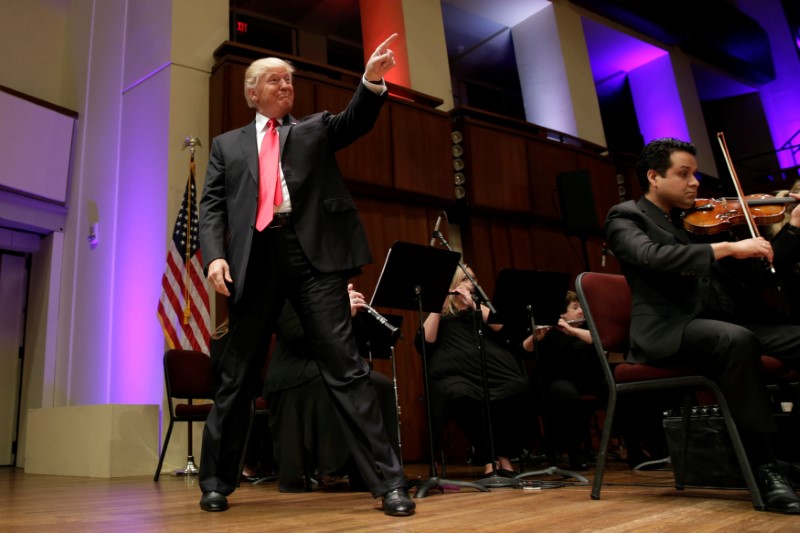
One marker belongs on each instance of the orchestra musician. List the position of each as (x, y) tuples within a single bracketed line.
[(691, 306), (570, 370), (455, 371)]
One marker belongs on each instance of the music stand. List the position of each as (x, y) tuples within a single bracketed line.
[(416, 277), (376, 340), (526, 299)]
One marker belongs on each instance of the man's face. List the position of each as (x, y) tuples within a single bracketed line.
[(274, 93), (678, 188)]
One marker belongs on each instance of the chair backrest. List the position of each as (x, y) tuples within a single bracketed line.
[(188, 374), (606, 303)]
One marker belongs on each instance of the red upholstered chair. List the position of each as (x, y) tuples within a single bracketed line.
[(187, 375), (606, 303)]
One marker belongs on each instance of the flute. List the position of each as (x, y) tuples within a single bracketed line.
[(575, 322)]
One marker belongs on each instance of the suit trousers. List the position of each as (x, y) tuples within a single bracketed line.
[(279, 269), (731, 354)]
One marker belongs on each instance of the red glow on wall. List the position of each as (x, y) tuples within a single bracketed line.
[(378, 21)]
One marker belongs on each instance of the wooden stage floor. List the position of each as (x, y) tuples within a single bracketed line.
[(631, 501)]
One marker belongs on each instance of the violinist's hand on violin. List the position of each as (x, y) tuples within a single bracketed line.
[(758, 247)]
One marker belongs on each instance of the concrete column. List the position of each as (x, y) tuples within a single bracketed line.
[(780, 98), (555, 74), (692, 113)]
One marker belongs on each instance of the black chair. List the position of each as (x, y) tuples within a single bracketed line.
[(606, 303), (187, 375)]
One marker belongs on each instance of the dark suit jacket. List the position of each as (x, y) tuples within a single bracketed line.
[(669, 275), (323, 212)]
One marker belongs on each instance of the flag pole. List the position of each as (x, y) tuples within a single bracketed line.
[(189, 142), (184, 307)]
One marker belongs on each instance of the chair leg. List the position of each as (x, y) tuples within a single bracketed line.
[(602, 454), (163, 451), (679, 471), (741, 455)]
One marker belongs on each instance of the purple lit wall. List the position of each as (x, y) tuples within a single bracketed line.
[(780, 98), (137, 342), (657, 102), (612, 52), (615, 56)]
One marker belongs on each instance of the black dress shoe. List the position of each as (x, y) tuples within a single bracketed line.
[(396, 502), (213, 501), (790, 470), (777, 492)]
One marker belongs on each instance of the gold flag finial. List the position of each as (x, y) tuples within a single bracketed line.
[(191, 143)]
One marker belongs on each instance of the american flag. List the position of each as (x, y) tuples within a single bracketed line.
[(183, 309)]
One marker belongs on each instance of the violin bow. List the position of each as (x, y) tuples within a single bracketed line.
[(751, 224)]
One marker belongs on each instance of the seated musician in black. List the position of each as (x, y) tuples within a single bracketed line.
[(454, 368), (306, 429), (691, 303), (570, 371)]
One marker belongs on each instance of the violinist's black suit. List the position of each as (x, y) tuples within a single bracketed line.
[(689, 308)]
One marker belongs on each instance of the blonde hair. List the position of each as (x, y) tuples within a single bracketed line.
[(257, 69), (449, 307)]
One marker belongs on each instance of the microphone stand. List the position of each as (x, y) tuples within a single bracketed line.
[(492, 480)]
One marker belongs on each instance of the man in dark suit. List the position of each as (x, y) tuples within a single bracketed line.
[(302, 243), (690, 300)]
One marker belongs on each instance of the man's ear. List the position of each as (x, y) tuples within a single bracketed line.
[(651, 176)]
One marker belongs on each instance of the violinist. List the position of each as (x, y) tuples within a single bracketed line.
[(690, 306)]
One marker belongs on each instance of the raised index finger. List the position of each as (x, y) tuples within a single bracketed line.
[(385, 44)]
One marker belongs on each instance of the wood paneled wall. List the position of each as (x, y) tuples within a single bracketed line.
[(401, 176)]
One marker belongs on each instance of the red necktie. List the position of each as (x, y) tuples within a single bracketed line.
[(269, 179)]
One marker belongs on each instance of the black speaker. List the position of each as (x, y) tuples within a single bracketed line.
[(577, 203)]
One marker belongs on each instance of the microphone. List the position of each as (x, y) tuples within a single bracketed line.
[(436, 229)]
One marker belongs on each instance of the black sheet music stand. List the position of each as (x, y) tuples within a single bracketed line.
[(416, 277), (376, 341), (527, 299)]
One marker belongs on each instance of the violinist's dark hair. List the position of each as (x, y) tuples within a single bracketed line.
[(656, 156)]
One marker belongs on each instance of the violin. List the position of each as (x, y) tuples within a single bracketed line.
[(710, 216)]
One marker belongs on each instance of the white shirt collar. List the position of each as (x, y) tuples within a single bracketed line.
[(261, 122)]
